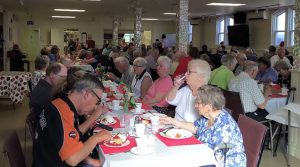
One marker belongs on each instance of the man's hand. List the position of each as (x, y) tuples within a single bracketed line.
[(103, 135)]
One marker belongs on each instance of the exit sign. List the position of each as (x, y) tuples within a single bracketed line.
[(30, 22)]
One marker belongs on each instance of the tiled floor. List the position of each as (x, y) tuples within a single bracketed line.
[(11, 120)]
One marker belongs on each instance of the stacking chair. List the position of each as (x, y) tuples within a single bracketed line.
[(13, 152), (30, 124), (234, 103), (254, 138)]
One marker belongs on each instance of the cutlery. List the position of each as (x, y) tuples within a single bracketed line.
[(167, 129), (150, 113)]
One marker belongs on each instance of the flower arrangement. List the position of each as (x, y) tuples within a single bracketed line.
[(100, 70), (128, 96)]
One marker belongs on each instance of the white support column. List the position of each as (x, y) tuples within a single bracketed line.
[(138, 26), (116, 24), (182, 25)]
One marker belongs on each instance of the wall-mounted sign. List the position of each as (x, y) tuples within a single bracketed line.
[(30, 22)]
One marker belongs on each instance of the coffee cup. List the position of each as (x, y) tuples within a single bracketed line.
[(154, 123), (116, 105), (141, 144), (139, 130), (284, 91), (138, 107)]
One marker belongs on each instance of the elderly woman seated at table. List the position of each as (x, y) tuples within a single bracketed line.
[(142, 79), (156, 94), (215, 125), (197, 75), (284, 75)]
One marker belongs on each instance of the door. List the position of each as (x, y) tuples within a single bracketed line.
[(31, 44)]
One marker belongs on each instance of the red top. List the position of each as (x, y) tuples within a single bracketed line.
[(182, 66)]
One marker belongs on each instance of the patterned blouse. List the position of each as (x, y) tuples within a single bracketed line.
[(224, 130), (36, 76)]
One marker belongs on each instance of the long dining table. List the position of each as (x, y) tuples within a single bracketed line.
[(182, 155)]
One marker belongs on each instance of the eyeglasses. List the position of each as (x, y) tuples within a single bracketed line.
[(99, 99), (190, 72), (134, 65)]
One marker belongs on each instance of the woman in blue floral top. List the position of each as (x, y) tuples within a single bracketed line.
[(215, 125)]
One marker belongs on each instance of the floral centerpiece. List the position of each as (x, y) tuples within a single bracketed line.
[(100, 71), (128, 96)]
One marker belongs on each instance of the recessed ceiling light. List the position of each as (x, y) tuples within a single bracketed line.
[(64, 17), (169, 13), (69, 10), (150, 19), (226, 4)]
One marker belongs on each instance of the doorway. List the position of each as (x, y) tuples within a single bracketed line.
[(31, 44)]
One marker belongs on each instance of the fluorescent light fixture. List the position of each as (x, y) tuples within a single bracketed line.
[(149, 19), (92, 0), (169, 13), (69, 10), (64, 17), (225, 4)]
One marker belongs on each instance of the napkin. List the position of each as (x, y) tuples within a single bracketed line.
[(178, 142), (114, 150)]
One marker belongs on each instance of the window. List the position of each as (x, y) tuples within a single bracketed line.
[(222, 23), (190, 33), (128, 37), (283, 27)]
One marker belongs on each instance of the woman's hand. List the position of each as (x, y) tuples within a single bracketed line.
[(179, 80), (111, 76), (166, 120)]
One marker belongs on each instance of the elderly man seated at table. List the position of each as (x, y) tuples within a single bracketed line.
[(265, 73), (223, 75), (253, 100), (241, 59), (142, 79), (197, 75), (56, 73), (215, 125), (123, 66), (156, 94), (58, 140)]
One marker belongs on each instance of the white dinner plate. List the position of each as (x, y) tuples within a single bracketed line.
[(111, 108), (176, 134), (107, 120), (148, 115), (123, 137), (133, 111), (146, 152)]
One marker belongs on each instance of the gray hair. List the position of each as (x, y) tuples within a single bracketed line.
[(121, 59), (211, 95), (202, 67), (137, 53), (242, 56), (88, 82), (250, 66), (166, 61), (281, 65), (140, 61), (41, 62), (228, 60)]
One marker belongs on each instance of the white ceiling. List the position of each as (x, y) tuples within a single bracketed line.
[(152, 8)]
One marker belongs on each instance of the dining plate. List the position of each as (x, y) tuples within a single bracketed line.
[(117, 141), (141, 111), (148, 115), (107, 120), (146, 152), (176, 134)]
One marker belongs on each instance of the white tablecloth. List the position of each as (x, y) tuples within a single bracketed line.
[(163, 156), (282, 115), (275, 104), (189, 155), (86, 67)]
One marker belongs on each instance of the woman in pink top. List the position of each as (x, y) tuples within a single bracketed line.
[(156, 94)]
